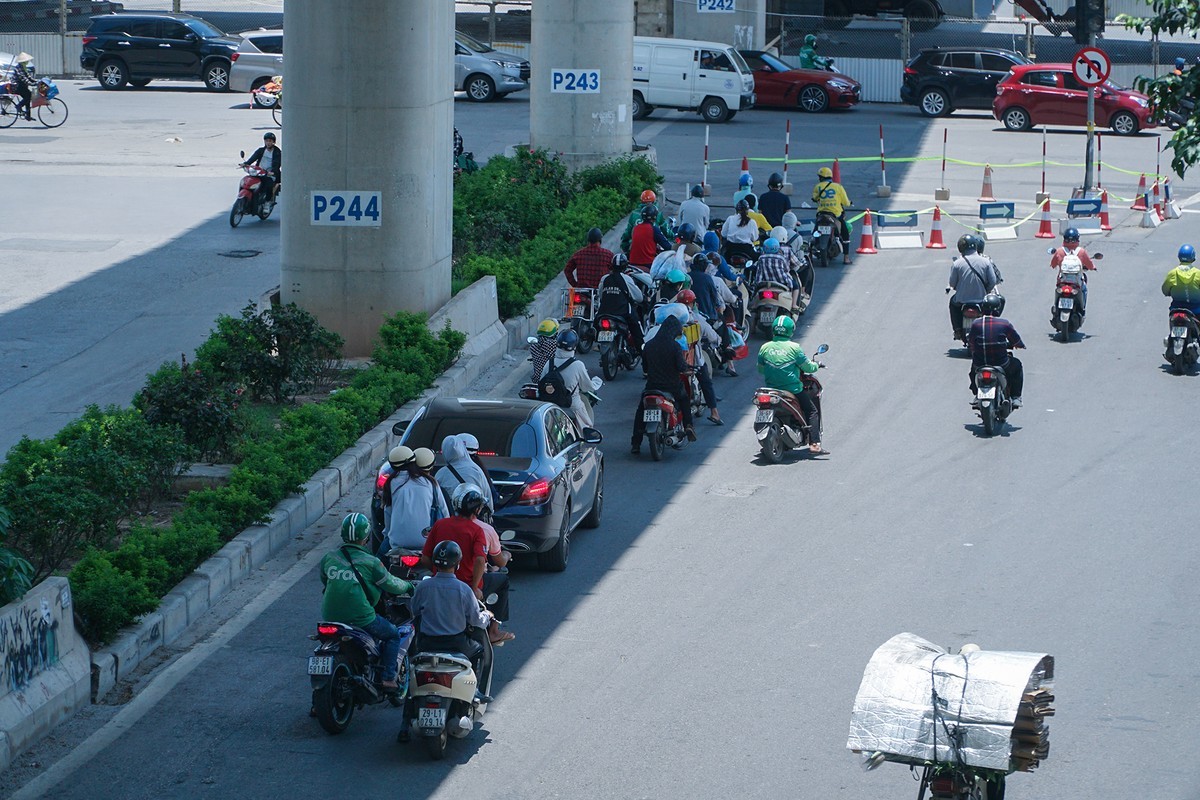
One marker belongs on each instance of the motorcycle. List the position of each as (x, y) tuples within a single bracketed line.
[(991, 398), (664, 422), (779, 422), (970, 313), (250, 200), (1175, 118), (344, 668), (579, 312), (824, 247), (770, 300), (612, 337), (1183, 342), (1066, 315)]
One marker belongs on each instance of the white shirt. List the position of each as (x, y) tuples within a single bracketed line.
[(734, 231), (267, 161)]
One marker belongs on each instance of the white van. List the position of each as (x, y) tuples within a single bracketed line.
[(708, 77)]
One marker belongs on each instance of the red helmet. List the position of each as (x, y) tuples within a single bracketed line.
[(649, 196), (687, 297)]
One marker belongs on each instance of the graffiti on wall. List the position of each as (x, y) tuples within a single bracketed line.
[(28, 643)]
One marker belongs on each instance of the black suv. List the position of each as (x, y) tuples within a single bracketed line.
[(942, 79), (136, 48)]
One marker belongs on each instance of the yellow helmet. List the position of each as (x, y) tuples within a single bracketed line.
[(825, 173), (547, 327)]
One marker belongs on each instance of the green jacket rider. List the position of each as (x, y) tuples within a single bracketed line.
[(808, 55), (781, 361)]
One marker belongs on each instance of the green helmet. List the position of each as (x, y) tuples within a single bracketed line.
[(810, 40), (783, 327), (355, 527)]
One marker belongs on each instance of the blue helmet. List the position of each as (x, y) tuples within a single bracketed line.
[(771, 245), (568, 340), (1187, 254), (745, 182)]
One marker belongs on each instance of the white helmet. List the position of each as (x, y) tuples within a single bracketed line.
[(780, 234), (789, 220)]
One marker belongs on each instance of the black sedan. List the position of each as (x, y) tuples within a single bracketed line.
[(549, 473)]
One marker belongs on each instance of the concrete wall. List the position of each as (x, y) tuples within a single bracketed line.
[(654, 17), (473, 311), (47, 671), (744, 28)]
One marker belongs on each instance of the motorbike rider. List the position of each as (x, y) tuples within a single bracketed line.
[(689, 239), (23, 82), (1182, 283), (675, 281), (694, 210), (740, 233), (648, 198), (773, 267), (781, 361), (704, 370), (270, 158), (1071, 246), (773, 204), (745, 187), (709, 300), (831, 198), (541, 351), (354, 581), (809, 58), (990, 339), (647, 240), (797, 259), (589, 264), (412, 500), (973, 276), (664, 363), (620, 297), (575, 376)]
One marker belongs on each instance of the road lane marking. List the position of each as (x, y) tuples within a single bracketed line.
[(159, 687)]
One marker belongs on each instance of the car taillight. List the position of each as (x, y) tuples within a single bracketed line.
[(606, 324), (909, 71), (440, 678), (534, 493), (768, 295), (88, 40), (381, 480), (327, 630), (986, 375), (234, 57), (410, 561)]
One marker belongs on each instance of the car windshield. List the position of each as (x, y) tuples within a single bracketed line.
[(203, 29), (506, 438), (472, 43), (773, 62)]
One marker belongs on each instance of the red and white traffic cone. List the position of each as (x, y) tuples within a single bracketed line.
[(1149, 216), (985, 194), (1172, 210), (837, 171), (866, 243), (935, 232), (1139, 201), (1045, 230), (1104, 223), (1158, 209)]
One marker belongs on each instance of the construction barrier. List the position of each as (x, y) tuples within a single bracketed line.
[(1083, 214), (898, 231), (1149, 216), (997, 221)]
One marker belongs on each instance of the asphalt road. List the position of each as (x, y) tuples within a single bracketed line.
[(708, 639)]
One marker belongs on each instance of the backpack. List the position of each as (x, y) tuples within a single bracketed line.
[(552, 388)]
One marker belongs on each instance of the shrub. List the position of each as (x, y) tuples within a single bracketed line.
[(196, 403), (16, 573), (106, 598)]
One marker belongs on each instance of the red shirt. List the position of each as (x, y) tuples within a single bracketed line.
[(588, 265), (469, 537), (643, 246)]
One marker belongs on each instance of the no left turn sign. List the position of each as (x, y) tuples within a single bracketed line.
[(1092, 66)]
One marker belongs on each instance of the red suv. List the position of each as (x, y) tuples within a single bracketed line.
[(1049, 94)]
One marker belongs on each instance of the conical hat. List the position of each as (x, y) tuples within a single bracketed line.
[(23, 57)]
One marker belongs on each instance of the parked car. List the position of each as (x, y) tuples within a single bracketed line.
[(549, 473), (258, 59), (690, 75), (137, 48), (486, 74), (778, 85), (941, 80), (1049, 94)]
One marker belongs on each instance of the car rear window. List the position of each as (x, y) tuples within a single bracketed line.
[(961, 60), (504, 438), (269, 44)]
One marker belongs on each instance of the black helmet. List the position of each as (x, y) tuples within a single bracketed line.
[(268, 137), (446, 555), (751, 200), (649, 213), (775, 181), (1070, 235), (595, 235), (967, 244), (619, 262), (698, 190), (687, 232), (992, 305), (979, 243), (742, 205)]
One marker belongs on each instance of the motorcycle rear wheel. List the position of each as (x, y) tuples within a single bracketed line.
[(1064, 331), (608, 364), (772, 447), (988, 415), (587, 338), (656, 445), (435, 746), (822, 254), (334, 703), (237, 212), (1178, 363)]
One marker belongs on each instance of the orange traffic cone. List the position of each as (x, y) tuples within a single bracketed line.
[(1139, 203), (985, 194), (1104, 223), (1045, 231), (1158, 209), (837, 171), (866, 244), (935, 233)]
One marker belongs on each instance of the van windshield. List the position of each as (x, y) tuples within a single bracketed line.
[(472, 43), (740, 62)]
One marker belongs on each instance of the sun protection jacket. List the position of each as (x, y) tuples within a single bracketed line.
[(345, 599), (455, 454), (1182, 285), (781, 363)]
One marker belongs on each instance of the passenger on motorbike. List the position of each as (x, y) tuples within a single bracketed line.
[(459, 468), (446, 607), (973, 276), (663, 360), (495, 581), (689, 239), (990, 339), (764, 227), (547, 342), (1071, 246), (648, 199), (773, 267), (797, 259), (774, 203), (1182, 283), (589, 264), (621, 297), (354, 580), (675, 281), (647, 240), (740, 233), (781, 361), (709, 300), (575, 376), (472, 444), (704, 370), (694, 211), (412, 499), (745, 187), (712, 244), (270, 158), (831, 198)]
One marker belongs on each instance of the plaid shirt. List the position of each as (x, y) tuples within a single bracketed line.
[(990, 340), (774, 268), (588, 265)]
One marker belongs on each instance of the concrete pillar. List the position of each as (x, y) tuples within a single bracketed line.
[(743, 28), (654, 17), (584, 36), (370, 108)]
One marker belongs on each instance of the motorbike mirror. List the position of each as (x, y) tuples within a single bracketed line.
[(822, 349), (491, 599), (243, 153), (1097, 256), (507, 536), (1049, 251), (400, 427), (531, 339), (592, 436)]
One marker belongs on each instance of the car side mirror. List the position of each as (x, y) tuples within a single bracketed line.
[(190, 37), (592, 436), (822, 349), (400, 427)]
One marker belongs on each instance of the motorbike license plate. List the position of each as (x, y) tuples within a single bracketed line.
[(320, 665), (652, 415), (1066, 302), (604, 336), (824, 230), (764, 415), (987, 394), (1179, 333), (434, 718), (766, 316)]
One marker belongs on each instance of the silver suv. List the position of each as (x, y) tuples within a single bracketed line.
[(258, 59), (486, 74)]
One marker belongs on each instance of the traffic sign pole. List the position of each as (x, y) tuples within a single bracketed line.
[(1091, 67)]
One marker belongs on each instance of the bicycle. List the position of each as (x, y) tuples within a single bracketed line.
[(51, 109)]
